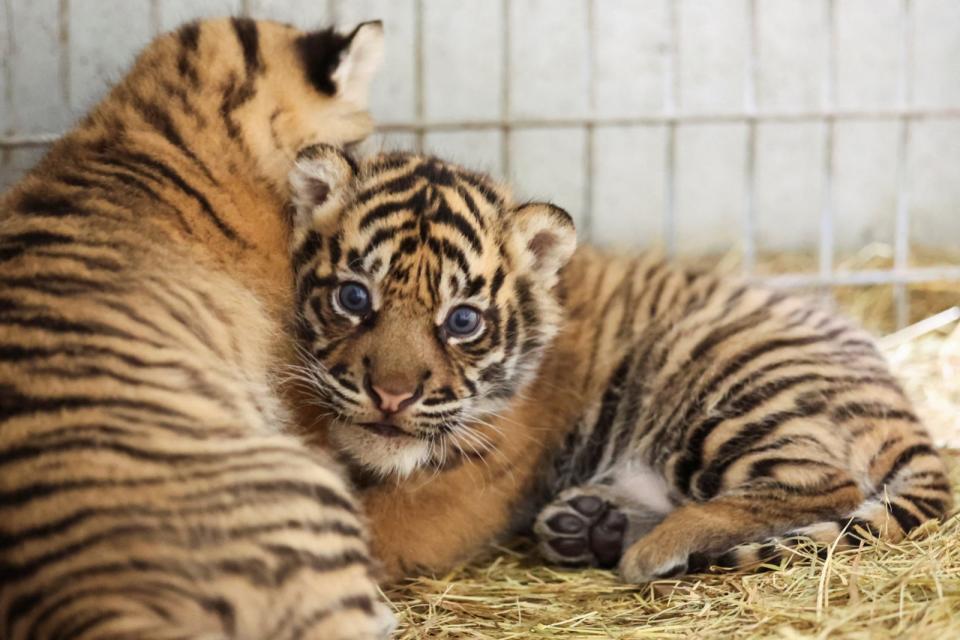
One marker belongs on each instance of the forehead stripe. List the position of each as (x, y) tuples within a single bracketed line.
[(384, 210), (451, 252), (483, 187), (446, 216), (387, 233), (471, 206), (397, 184)]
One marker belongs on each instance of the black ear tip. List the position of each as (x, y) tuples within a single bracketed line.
[(557, 213), (314, 151), (369, 24), (326, 151), (561, 214)]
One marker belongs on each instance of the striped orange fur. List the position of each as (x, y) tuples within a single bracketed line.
[(148, 485)]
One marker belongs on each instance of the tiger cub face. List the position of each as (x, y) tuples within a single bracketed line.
[(425, 300)]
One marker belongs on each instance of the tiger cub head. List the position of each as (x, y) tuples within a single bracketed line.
[(269, 87), (425, 299)]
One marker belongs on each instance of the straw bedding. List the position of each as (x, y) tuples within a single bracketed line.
[(906, 590)]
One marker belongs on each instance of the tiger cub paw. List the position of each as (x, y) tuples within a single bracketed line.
[(645, 562), (582, 528)]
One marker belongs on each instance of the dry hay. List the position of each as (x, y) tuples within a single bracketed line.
[(911, 589), (905, 590)]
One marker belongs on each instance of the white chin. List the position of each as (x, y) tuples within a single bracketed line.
[(387, 456)]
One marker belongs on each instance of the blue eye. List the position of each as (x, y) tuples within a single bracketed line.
[(354, 297), (462, 321)]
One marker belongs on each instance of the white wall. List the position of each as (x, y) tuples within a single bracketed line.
[(547, 66)]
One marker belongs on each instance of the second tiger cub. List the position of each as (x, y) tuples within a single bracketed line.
[(484, 376)]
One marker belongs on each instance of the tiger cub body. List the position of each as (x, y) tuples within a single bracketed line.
[(147, 486), (483, 376)]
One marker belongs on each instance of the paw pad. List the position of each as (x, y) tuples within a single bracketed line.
[(584, 530), (566, 523), (588, 505)]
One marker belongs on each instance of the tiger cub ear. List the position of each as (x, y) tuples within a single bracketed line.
[(359, 62), (545, 235), (320, 183), (342, 66)]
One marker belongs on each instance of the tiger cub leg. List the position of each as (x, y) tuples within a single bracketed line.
[(590, 525), (691, 537)]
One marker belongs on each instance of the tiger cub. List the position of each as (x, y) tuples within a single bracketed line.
[(147, 486), (484, 376)]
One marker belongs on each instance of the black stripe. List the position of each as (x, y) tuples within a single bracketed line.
[(113, 430), (294, 560), (21, 605), (728, 330), (747, 402), (528, 310), (511, 333), (396, 185), (59, 285), (89, 262), (483, 186), (773, 492), (388, 233), (159, 119), (310, 248), (929, 507), (107, 188), (446, 249), (471, 206), (741, 360), (904, 458), (498, 277), (384, 210), (34, 239), (313, 491), (588, 457), (91, 372), (82, 623), (153, 589), (446, 216), (349, 603), (870, 411), (709, 481), (57, 325), (765, 467), (249, 38), (25, 570), (907, 521), (19, 353), (167, 172), (20, 453), (235, 95), (48, 205), (65, 525), (189, 35), (657, 292)]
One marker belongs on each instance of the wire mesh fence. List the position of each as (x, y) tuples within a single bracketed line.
[(526, 86)]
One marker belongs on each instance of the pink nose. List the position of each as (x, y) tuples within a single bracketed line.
[(390, 402)]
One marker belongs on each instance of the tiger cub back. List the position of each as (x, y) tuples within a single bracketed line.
[(727, 415), (148, 487), (483, 376)]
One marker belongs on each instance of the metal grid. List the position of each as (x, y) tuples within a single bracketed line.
[(672, 118)]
